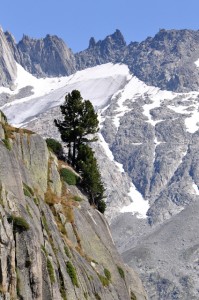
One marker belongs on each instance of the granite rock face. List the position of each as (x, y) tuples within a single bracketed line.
[(158, 149), (108, 50), (8, 69), (167, 257), (167, 60), (43, 57), (52, 247)]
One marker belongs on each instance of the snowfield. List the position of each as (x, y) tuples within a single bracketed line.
[(96, 84)]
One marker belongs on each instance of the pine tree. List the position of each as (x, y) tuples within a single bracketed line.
[(91, 178), (80, 120)]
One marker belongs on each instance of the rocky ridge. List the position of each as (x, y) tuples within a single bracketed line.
[(43, 57), (54, 245), (166, 60)]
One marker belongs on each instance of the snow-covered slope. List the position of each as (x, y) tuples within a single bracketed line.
[(96, 84)]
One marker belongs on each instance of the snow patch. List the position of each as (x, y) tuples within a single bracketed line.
[(108, 152), (157, 96), (191, 122), (195, 187), (197, 63), (139, 206)]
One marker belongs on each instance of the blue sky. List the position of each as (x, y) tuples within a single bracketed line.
[(75, 21)]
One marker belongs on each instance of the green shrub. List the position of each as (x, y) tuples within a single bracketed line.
[(55, 147), (107, 273), (67, 251), (44, 250), (45, 225), (27, 190), (19, 223), (101, 206), (121, 272), (7, 143), (68, 176), (28, 211), (18, 283), (77, 198), (104, 280), (36, 200), (4, 116), (50, 271), (72, 273)]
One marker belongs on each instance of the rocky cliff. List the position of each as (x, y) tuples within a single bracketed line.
[(43, 57), (54, 245), (8, 69), (165, 60)]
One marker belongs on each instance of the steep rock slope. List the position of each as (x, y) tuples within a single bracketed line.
[(111, 49), (52, 246), (8, 69), (165, 60), (167, 258), (43, 57)]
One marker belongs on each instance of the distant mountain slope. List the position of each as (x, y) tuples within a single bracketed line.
[(166, 60), (43, 57)]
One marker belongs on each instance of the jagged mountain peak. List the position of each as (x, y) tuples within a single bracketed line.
[(10, 37), (117, 38), (43, 57), (92, 42)]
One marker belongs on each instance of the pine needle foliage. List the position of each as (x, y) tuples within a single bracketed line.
[(80, 120)]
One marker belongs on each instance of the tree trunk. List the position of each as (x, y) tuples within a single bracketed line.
[(74, 153), (69, 153)]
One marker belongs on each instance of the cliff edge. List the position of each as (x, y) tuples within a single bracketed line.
[(54, 245)]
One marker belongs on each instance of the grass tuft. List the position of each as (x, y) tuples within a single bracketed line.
[(68, 176), (72, 273), (50, 271), (19, 223), (121, 272)]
